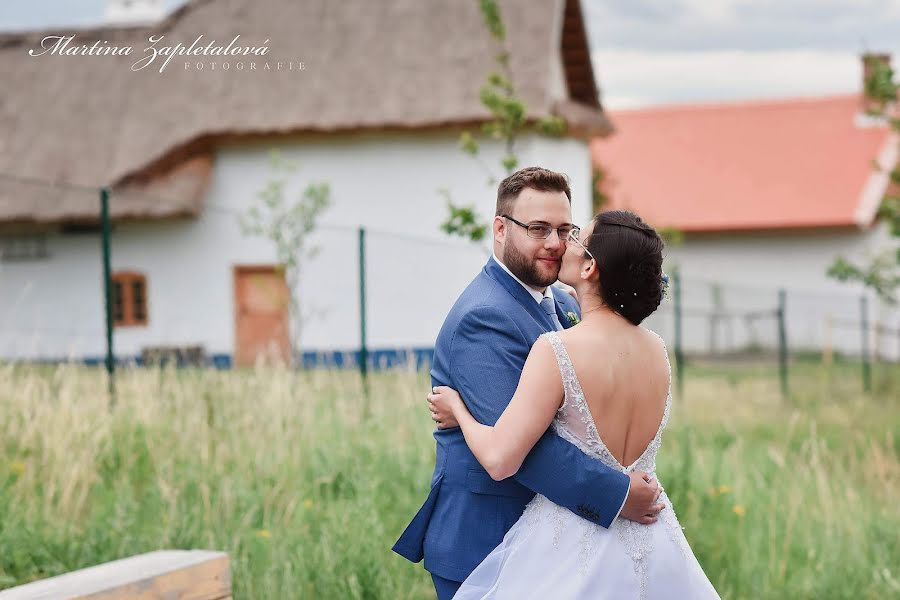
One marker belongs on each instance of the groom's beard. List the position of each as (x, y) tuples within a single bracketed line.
[(526, 269)]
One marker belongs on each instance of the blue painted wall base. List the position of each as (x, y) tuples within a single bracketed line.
[(379, 359)]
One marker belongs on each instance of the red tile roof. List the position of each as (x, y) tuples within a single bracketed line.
[(793, 163)]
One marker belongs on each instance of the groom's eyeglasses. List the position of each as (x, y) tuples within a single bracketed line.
[(541, 231)]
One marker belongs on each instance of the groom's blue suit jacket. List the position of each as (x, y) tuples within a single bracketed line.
[(480, 351)]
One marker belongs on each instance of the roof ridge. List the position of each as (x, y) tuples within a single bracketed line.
[(735, 104)]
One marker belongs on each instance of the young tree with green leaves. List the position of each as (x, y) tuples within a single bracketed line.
[(509, 119), (288, 225)]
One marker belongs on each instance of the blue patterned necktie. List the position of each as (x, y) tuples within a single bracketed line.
[(549, 307)]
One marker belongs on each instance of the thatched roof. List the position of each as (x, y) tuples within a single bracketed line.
[(88, 121)]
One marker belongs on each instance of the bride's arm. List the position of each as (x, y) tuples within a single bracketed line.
[(501, 449)]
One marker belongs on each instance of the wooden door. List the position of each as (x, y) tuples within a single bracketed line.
[(261, 315)]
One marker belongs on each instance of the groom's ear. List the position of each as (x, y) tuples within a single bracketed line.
[(499, 228)]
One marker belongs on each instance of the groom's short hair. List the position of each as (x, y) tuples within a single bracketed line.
[(536, 178)]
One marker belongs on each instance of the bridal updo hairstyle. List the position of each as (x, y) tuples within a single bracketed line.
[(629, 258)]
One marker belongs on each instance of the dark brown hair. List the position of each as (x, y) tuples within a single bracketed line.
[(536, 178), (629, 258)]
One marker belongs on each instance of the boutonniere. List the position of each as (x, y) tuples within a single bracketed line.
[(573, 318)]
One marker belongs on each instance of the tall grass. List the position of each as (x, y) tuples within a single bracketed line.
[(306, 484)]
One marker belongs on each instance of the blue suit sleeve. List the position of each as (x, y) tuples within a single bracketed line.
[(489, 351)]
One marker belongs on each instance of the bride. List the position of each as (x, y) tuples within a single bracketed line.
[(603, 385)]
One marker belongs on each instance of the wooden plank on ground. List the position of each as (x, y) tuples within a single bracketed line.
[(169, 574)]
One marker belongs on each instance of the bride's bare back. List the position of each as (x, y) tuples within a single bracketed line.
[(624, 374)]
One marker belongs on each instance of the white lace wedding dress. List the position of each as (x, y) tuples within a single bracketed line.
[(551, 552)]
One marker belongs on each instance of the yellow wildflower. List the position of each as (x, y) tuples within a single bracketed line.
[(724, 489), (264, 533), (739, 510), (17, 467), (307, 503)]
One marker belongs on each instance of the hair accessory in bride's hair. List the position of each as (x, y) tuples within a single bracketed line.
[(644, 230)]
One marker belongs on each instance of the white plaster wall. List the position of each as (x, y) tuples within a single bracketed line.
[(52, 308), (749, 268), (387, 183)]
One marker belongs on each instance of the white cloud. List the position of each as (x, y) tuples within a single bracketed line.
[(631, 78), (717, 11), (834, 10), (850, 25)]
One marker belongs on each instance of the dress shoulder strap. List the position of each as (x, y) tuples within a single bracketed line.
[(566, 368)]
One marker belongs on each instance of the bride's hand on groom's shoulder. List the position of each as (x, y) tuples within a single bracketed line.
[(567, 289), (443, 401)]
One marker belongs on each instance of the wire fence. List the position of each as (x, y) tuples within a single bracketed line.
[(373, 298)]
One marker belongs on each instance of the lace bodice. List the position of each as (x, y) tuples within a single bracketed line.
[(574, 421)]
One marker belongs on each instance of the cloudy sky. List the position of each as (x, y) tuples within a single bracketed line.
[(650, 52), (672, 51)]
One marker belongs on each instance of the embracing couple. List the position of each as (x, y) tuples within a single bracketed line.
[(550, 414)]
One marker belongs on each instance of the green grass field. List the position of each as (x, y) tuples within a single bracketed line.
[(306, 485)]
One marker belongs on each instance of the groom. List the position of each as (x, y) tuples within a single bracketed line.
[(480, 351)]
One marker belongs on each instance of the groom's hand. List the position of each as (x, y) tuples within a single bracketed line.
[(641, 504)]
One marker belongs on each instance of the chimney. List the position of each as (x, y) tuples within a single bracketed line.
[(134, 12), (873, 62)]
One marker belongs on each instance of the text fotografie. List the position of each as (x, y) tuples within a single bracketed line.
[(62, 45)]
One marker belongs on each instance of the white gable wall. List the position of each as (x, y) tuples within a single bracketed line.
[(751, 267)]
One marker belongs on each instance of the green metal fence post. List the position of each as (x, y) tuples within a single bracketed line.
[(363, 347), (106, 230), (866, 366), (782, 342), (679, 349)]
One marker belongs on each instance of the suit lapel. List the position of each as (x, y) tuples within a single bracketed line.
[(498, 274)]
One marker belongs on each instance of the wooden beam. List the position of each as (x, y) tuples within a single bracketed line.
[(576, 54), (170, 574)]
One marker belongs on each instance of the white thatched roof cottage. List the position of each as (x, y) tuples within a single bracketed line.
[(375, 111)]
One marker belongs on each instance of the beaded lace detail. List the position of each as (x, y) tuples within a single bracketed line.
[(575, 424)]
